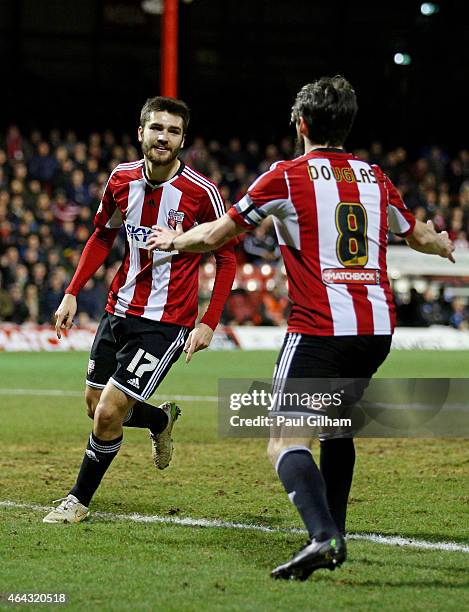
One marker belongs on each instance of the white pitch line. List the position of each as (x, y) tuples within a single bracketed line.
[(63, 393), (215, 523), (400, 541)]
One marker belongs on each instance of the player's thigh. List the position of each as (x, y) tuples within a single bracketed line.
[(363, 356), (102, 362), (146, 356), (305, 356), (304, 367)]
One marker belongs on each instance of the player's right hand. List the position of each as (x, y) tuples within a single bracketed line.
[(162, 238), (65, 313)]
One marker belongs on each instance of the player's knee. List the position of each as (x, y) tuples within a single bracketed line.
[(92, 398), (273, 450), (106, 416)]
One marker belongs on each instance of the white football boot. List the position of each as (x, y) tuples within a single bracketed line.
[(162, 442), (70, 510)]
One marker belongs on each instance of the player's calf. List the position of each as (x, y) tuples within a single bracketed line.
[(146, 416)]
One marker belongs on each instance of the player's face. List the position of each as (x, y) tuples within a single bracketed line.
[(162, 137)]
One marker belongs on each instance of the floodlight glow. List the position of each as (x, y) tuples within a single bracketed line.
[(402, 59), (429, 8)]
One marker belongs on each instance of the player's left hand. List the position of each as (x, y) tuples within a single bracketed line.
[(162, 238), (445, 244), (199, 339)]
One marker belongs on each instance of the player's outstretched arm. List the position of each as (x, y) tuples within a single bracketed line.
[(203, 238), (425, 239)]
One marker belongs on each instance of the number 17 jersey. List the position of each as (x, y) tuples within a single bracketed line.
[(332, 213)]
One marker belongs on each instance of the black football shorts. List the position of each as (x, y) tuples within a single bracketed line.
[(319, 360), (134, 354)]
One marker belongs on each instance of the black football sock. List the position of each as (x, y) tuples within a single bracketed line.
[(98, 457), (337, 461), (148, 416), (306, 489)]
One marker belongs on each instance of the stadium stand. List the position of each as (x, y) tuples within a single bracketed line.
[(50, 187)]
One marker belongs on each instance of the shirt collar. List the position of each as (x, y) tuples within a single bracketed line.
[(328, 150), (155, 184)]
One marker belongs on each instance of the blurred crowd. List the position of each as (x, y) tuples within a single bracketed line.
[(50, 187)]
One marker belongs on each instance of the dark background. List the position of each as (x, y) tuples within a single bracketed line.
[(90, 64)]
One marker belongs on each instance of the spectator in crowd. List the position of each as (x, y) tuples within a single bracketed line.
[(8, 264), (411, 313), (459, 315), (14, 143), (38, 276), (43, 165), (51, 298), (20, 312), (91, 300), (78, 191), (240, 310), (276, 305), (64, 209), (261, 245), (6, 302), (31, 298)]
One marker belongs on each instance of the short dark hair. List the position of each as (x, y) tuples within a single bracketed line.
[(328, 106), (170, 105)]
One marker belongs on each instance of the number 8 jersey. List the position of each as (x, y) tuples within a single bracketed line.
[(332, 213)]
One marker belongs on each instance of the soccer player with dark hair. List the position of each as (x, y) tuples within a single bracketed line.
[(332, 212), (153, 299)]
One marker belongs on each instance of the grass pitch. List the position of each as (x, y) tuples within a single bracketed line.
[(412, 488)]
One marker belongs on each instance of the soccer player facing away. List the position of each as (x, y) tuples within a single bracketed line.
[(332, 212), (153, 299)]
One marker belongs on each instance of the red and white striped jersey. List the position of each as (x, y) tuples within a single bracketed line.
[(332, 212), (164, 288)]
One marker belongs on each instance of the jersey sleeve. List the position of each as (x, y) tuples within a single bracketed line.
[(108, 214), (268, 195), (224, 277), (401, 221), (93, 256)]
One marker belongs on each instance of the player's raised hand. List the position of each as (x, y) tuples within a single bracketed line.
[(445, 243), (199, 339), (65, 313), (162, 238)]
